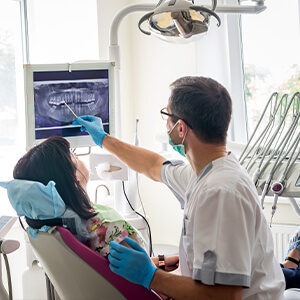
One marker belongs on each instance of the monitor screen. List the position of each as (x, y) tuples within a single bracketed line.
[(52, 91)]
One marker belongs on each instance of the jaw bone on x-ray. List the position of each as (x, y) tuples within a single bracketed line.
[(85, 97)]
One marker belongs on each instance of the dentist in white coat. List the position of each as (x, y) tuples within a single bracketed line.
[(226, 246)]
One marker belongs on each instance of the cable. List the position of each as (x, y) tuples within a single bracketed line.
[(8, 276), (139, 195), (150, 238), (142, 205)]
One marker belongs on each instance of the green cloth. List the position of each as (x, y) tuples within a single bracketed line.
[(108, 214)]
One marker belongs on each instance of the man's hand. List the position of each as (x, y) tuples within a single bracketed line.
[(93, 125), (133, 264)]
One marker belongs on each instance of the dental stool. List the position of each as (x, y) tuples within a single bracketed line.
[(79, 273)]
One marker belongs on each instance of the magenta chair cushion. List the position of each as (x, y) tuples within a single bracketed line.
[(101, 265)]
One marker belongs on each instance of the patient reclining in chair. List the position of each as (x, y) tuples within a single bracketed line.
[(52, 170)]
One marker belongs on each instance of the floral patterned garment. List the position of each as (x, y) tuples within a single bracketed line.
[(101, 232)]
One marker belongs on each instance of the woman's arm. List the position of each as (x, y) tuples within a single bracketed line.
[(171, 262), (295, 254), (133, 237)]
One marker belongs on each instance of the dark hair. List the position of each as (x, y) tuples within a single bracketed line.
[(51, 160), (205, 104)]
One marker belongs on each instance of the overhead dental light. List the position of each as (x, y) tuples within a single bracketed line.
[(178, 20)]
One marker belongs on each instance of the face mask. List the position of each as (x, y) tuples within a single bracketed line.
[(178, 148)]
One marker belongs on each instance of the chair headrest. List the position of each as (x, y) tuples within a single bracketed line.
[(34, 200), (37, 201)]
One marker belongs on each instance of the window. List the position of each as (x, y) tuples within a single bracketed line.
[(58, 32), (271, 47), (11, 92), (62, 31)]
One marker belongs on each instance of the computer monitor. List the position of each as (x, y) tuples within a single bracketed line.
[(87, 88)]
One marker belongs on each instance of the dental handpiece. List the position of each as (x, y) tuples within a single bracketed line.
[(277, 189), (265, 190), (70, 109)]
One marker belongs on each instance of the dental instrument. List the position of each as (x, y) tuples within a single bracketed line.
[(260, 150), (257, 126), (279, 186), (282, 146), (276, 164), (270, 141), (70, 109), (280, 156)]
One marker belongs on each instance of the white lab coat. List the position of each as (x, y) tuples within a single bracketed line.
[(225, 237)]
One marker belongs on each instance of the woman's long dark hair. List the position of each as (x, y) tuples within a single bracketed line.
[(51, 160)]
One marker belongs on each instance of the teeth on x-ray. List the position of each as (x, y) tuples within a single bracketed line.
[(71, 97), (84, 98)]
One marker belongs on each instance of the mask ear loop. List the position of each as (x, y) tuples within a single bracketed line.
[(184, 138), (173, 127)]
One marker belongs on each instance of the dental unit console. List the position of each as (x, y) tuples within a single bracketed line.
[(53, 91), (272, 155)]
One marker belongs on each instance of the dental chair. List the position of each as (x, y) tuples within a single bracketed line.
[(292, 294), (79, 273)]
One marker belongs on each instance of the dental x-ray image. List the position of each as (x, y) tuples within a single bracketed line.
[(86, 92)]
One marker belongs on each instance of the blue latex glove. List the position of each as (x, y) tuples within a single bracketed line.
[(133, 264), (93, 125)]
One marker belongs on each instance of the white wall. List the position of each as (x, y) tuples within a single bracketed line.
[(148, 66)]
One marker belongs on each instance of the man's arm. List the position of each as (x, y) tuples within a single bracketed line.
[(136, 158), (179, 287), (135, 265)]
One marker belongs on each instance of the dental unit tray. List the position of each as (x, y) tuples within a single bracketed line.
[(272, 154)]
